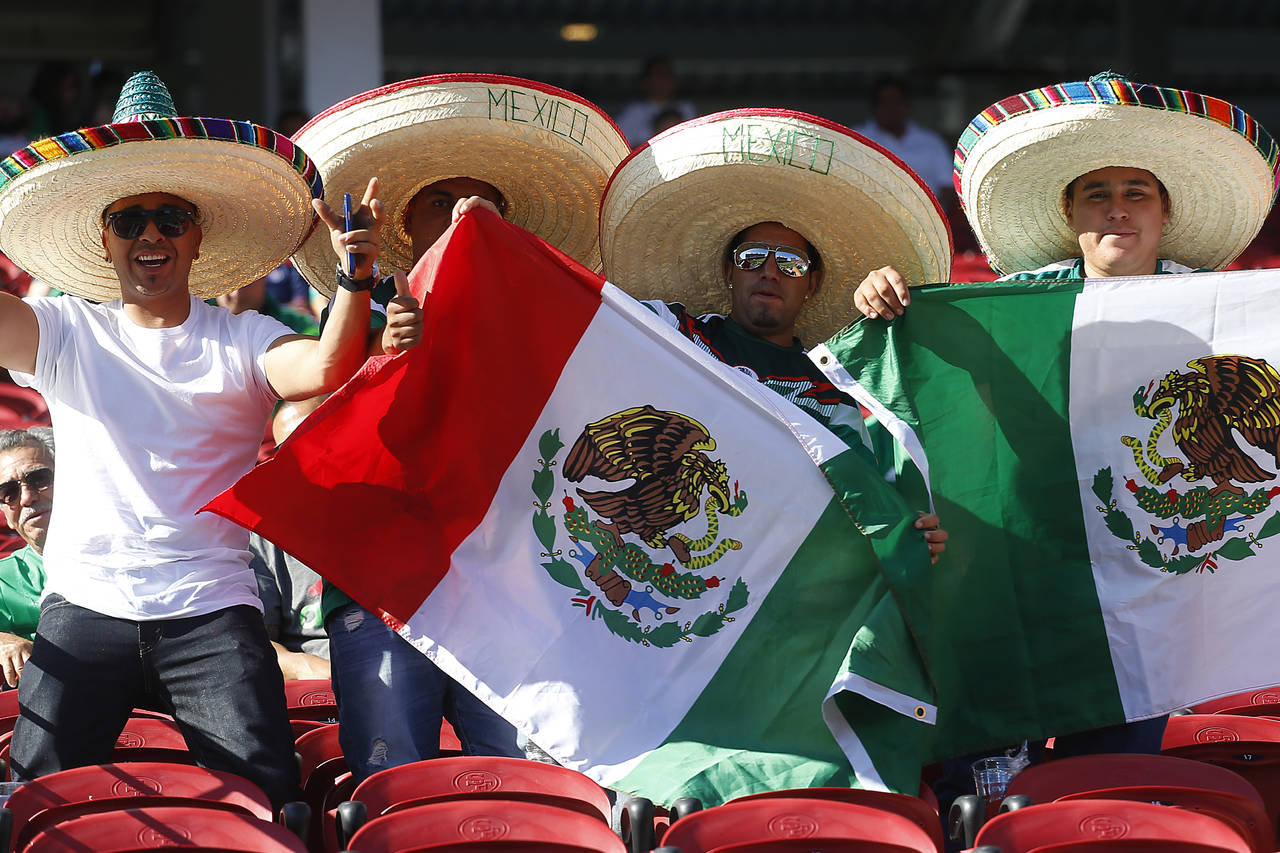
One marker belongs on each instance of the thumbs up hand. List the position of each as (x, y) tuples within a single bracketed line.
[(404, 319)]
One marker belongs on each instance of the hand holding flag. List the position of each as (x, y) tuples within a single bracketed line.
[(404, 319), (615, 607)]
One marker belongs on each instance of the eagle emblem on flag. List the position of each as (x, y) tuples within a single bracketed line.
[(635, 571), (1202, 412)]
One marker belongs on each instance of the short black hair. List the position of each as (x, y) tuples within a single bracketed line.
[(888, 81)]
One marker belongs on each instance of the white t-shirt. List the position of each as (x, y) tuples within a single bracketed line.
[(150, 425)]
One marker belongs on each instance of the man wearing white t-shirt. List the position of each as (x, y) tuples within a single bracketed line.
[(159, 402)]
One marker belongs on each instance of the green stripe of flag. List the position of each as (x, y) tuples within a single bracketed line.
[(759, 723), (981, 373)]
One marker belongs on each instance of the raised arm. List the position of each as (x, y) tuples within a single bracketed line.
[(19, 334), (300, 366)]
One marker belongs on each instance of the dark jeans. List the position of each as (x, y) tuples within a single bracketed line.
[(391, 698), (215, 673)]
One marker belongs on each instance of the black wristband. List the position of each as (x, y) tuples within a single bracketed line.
[(354, 285)]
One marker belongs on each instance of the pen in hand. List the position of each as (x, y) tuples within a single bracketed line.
[(346, 216)]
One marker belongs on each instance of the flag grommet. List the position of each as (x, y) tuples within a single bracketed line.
[(921, 712)]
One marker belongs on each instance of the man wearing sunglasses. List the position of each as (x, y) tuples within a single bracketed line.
[(26, 499), (771, 272), (160, 401)]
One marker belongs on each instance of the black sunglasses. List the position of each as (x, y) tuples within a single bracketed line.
[(170, 221), (36, 480)]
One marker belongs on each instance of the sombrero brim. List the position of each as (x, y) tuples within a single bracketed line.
[(1016, 158), (548, 151), (673, 206), (251, 186)]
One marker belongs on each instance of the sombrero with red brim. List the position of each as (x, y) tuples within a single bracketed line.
[(673, 206), (548, 151)]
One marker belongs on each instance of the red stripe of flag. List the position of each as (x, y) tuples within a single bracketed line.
[(378, 488)]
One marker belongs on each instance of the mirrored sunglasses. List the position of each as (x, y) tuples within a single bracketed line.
[(790, 260), (170, 221), (35, 480)]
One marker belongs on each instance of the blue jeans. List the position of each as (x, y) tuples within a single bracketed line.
[(391, 699), (215, 673)]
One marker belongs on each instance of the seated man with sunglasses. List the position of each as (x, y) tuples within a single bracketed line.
[(748, 250), (770, 272), (159, 402), (26, 497)]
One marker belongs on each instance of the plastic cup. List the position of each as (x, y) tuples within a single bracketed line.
[(991, 776)]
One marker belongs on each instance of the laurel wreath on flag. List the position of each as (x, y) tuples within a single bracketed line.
[(1171, 504), (562, 571)]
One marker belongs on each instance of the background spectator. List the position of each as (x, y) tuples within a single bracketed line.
[(26, 499), (55, 97), (637, 119), (891, 126)]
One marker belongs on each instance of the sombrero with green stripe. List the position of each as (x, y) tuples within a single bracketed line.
[(1016, 158), (548, 151), (251, 186)]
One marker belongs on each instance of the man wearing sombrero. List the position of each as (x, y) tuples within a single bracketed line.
[(537, 155), (1104, 178), (745, 230), (159, 402), (1097, 179)]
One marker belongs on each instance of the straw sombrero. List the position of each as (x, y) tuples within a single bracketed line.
[(673, 206), (1015, 159), (251, 186), (548, 151)]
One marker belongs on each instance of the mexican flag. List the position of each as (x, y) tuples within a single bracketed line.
[(1104, 455), (662, 572)]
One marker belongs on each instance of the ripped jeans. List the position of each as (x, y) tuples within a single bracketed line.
[(391, 699)]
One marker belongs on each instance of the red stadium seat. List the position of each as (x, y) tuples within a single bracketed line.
[(913, 808), (22, 407), (343, 787), (301, 727), (1244, 815), (165, 827), (320, 764), (60, 796), (1108, 824), (1264, 696), (143, 739), (486, 824), (311, 699), (796, 823), (1250, 746), (481, 777), (449, 743), (1050, 781)]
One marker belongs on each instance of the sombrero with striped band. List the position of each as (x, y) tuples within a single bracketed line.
[(548, 151), (251, 186), (674, 205), (1016, 158)]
